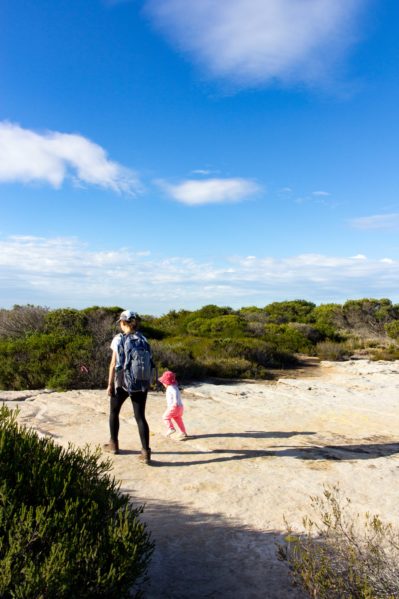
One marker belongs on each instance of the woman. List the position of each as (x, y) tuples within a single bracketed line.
[(117, 387)]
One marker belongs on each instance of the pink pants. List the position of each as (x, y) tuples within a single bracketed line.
[(175, 413)]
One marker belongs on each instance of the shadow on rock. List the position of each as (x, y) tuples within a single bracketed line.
[(256, 435), (351, 452), (328, 452), (201, 555)]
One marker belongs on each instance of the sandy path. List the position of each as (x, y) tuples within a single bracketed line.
[(216, 503)]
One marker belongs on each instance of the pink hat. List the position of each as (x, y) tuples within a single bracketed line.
[(168, 378)]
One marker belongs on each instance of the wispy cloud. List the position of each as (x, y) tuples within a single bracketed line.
[(254, 42), (194, 192), (65, 271), (201, 171), (27, 156), (377, 221), (320, 193)]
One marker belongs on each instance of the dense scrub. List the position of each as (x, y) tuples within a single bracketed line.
[(66, 531), (68, 348)]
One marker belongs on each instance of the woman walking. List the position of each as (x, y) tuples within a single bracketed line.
[(130, 349)]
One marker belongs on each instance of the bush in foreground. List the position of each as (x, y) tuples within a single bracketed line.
[(66, 531), (339, 555)]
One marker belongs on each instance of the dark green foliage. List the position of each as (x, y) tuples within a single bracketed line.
[(68, 348), (172, 323), (328, 318), (218, 325), (294, 311), (176, 356), (288, 338), (42, 360), (212, 311), (392, 329), (66, 531), (66, 322)]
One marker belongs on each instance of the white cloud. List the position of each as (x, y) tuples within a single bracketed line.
[(66, 272), (377, 221), (255, 41), (210, 191), (201, 171), (27, 156), (320, 193)]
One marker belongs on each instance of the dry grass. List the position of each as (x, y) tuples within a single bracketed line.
[(341, 555)]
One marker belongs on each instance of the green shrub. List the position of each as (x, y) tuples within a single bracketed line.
[(341, 555), (211, 311), (328, 319), (228, 324), (178, 358), (39, 359), (66, 531), (288, 338), (68, 348), (232, 368), (66, 321), (176, 322), (392, 329), (290, 311), (172, 323)]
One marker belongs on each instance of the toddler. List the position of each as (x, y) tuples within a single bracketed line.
[(174, 410)]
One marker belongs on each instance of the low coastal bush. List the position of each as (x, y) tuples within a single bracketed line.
[(290, 311), (176, 356), (231, 368), (258, 352), (288, 338), (70, 349), (341, 554), (40, 360), (392, 329), (66, 531)]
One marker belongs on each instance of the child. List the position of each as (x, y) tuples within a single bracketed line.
[(174, 410)]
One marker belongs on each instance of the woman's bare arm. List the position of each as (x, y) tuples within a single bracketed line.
[(111, 375)]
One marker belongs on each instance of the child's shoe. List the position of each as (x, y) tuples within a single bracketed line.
[(170, 432), (183, 437)]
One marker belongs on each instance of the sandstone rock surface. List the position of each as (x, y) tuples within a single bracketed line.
[(216, 503)]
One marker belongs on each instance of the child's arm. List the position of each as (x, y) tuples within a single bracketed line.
[(174, 396)]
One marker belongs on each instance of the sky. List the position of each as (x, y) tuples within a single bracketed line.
[(167, 154)]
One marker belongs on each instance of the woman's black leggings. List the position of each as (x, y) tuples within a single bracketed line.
[(138, 401)]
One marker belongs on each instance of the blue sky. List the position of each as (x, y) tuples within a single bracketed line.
[(166, 154)]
